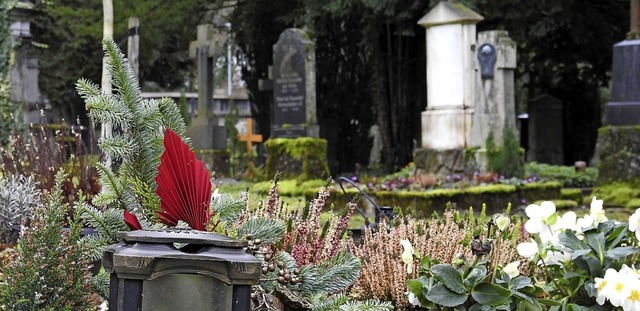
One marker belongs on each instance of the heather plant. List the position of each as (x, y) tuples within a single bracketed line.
[(445, 238), (50, 270), (40, 155), (304, 260), (18, 197)]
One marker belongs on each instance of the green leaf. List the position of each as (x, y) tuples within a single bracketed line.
[(450, 277), (549, 302), (616, 235), (415, 287), (580, 252), (425, 263), (440, 294), (596, 242), (475, 276), (490, 294), (569, 239), (519, 282), (621, 252)]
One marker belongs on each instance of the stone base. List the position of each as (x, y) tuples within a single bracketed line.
[(618, 148), (446, 129), (623, 113), (440, 161), (302, 158)]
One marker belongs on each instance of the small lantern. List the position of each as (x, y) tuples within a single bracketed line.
[(177, 269)]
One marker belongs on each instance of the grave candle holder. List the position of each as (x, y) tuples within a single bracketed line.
[(176, 269)]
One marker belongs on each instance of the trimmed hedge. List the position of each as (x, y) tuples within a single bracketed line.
[(496, 197)]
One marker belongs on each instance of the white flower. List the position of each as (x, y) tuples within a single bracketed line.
[(104, 306), (511, 269), (413, 299), (539, 216), (616, 292), (634, 223), (633, 300), (557, 257), (407, 255), (567, 221), (527, 249), (597, 211)]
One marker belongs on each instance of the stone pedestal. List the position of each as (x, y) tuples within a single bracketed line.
[(444, 129), (624, 108)]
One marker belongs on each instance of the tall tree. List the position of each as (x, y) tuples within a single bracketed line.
[(72, 32)]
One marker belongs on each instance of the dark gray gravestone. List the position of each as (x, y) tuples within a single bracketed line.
[(624, 108), (204, 130), (545, 130), (294, 107)]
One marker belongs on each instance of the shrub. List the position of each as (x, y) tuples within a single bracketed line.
[(18, 197), (505, 160), (567, 175), (50, 270)]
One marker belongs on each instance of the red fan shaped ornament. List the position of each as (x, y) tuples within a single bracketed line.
[(184, 185)]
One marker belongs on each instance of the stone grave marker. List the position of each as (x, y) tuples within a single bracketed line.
[(495, 105), (204, 130), (446, 122), (545, 130), (294, 107)]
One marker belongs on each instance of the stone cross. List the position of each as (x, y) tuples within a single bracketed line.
[(204, 132), (250, 137)]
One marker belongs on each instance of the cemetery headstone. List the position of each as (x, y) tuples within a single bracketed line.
[(545, 130), (446, 123), (624, 108), (294, 107), (24, 73), (205, 130), (495, 101)]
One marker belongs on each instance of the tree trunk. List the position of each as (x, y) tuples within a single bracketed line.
[(107, 32)]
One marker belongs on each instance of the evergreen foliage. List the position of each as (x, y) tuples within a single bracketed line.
[(51, 270), (136, 147), (507, 159), (138, 144)]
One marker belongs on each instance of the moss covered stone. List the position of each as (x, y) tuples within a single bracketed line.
[(301, 158), (618, 148), (618, 193)]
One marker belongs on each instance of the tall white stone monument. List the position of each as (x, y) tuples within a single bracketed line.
[(451, 41), (446, 123)]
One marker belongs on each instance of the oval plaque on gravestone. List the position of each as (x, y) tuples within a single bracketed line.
[(289, 84)]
